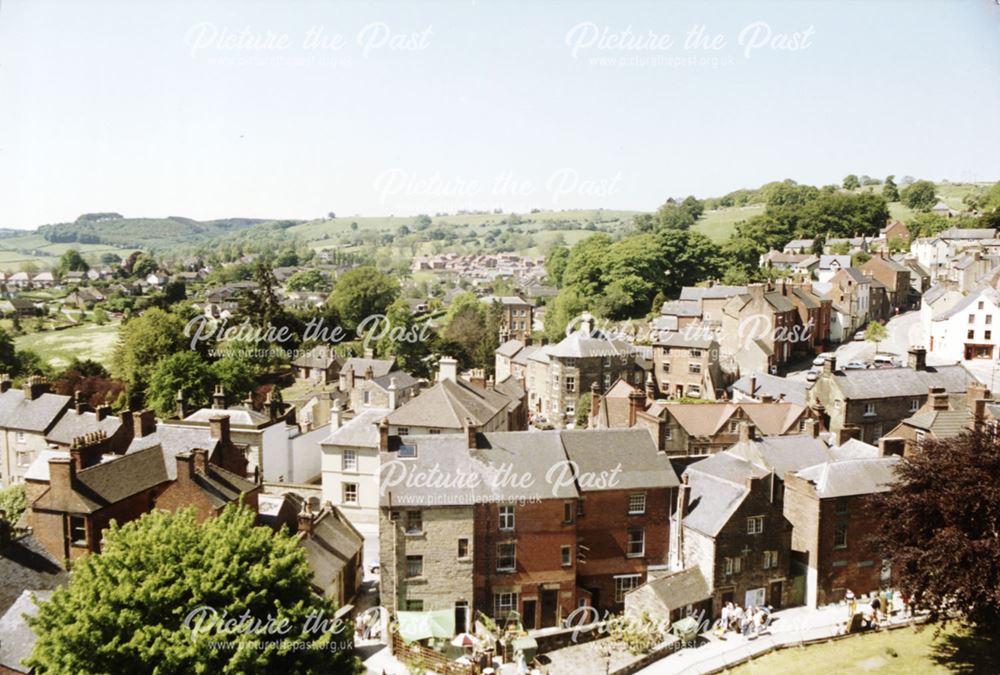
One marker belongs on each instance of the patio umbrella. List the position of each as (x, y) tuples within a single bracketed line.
[(464, 640)]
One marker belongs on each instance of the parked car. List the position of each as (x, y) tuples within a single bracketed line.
[(855, 365), (821, 359), (812, 375), (859, 336), (884, 362)]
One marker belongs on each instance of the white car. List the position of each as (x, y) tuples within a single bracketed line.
[(855, 365)]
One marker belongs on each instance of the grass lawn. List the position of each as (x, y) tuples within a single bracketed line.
[(905, 650), (58, 348), (719, 224)]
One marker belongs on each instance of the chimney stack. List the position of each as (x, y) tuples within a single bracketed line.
[(143, 423), (753, 385), (595, 399), (369, 373), (102, 412), (336, 415), (306, 518), (347, 378), (383, 434), (393, 393), (635, 400), (369, 353), (78, 402), (812, 427), (86, 450), (650, 389), (939, 398), (748, 432), (917, 358), (273, 404), (62, 475), (847, 433), (219, 425), (219, 398), (447, 369), (470, 434), (35, 387)]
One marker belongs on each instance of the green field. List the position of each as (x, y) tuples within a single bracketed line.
[(913, 651), (719, 224), (58, 348)]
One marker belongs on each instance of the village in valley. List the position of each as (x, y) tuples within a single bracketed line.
[(499, 338)]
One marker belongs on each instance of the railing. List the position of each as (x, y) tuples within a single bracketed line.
[(417, 655)]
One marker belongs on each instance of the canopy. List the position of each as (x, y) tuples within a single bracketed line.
[(686, 628), (415, 626)]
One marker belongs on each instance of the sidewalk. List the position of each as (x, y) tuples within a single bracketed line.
[(789, 627)]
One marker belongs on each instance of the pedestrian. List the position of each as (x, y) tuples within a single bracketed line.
[(876, 605), (737, 617), (724, 620), (851, 604)]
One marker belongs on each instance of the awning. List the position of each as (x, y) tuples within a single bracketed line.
[(415, 626)]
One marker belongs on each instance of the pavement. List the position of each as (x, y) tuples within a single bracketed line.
[(789, 627)]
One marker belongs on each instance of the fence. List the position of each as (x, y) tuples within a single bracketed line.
[(417, 655)]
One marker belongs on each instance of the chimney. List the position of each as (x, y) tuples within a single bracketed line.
[(977, 390), (393, 393), (34, 387), (86, 450), (182, 411), (369, 353), (128, 423), (917, 358), (200, 463), (369, 374), (650, 389), (595, 399), (336, 414), (102, 412), (979, 414), (477, 378), (635, 400), (306, 518), (470, 434), (219, 398), (347, 378), (756, 291), (753, 385), (143, 422), (847, 433), (185, 465), (828, 364), (273, 404), (587, 323), (938, 398), (219, 424), (812, 427), (748, 432), (78, 403), (383, 434), (447, 369), (4, 382), (62, 475)]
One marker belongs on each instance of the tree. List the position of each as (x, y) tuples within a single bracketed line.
[(238, 376), (555, 265), (403, 340), (582, 418), (8, 354), (360, 293), (184, 370), (143, 341), (889, 190), (919, 195), (939, 528), (70, 261), (13, 502), (875, 333), (851, 182), (144, 265), (306, 280), (261, 304), (125, 608)]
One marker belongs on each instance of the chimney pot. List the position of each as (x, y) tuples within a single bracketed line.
[(219, 426)]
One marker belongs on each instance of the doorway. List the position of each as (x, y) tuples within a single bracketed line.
[(775, 596), (550, 605), (461, 617), (530, 617)]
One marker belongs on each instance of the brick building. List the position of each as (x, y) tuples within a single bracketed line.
[(687, 366)]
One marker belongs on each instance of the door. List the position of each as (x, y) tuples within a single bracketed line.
[(550, 606), (775, 597), (754, 598), (530, 618), (461, 617)]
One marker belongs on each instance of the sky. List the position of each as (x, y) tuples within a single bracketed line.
[(294, 109)]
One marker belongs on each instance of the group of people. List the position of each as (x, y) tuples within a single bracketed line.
[(878, 609), (747, 622)]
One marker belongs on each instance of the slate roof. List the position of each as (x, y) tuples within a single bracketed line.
[(876, 383), (677, 589), (855, 449), (826, 262), (509, 348), (521, 358), (773, 386), (321, 356), (850, 477), (681, 339), (713, 499), (942, 423), (74, 424), (447, 405), (239, 416), (580, 345), (360, 432), (800, 243), (782, 453), (25, 564), (681, 308), (632, 451), (18, 638), (380, 367), (222, 486), (333, 544), (36, 415), (985, 293), (934, 293), (968, 233), (716, 292), (173, 440)]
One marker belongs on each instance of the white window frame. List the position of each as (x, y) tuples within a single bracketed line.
[(755, 524), (506, 521), (345, 489), (630, 552), (637, 503), (869, 409), (349, 461), (512, 567), (503, 604), (625, 583)]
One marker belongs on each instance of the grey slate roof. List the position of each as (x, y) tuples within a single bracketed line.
[(37, 415), (677, 589), (711, 501), (359, 365), (850, 477), (826, 262), (968, 233), (360, 432), (173, 440), (716, 292), (403, 380), (74, 424), (630, 450), (579, 345), (110, 482), (681, 308), (25, 564), (321, 356), (942, 423), (875, 383), (773, 386), (447, 405), (18, 638), (966, 302), (510, 347), (782, 453)]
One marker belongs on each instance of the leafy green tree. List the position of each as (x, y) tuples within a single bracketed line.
[(466, 327), (145, 264), (889, 190), (938, 526), (555, 264), (560, 311), (851, 182), (582, 417), (9, 362), (237, 375), (261, 305), (13, 502), (404, 340), (306, 280), (919, 195), (71, 261), (927, 224), (184, 370), (485, 354), (126, 610), (142, 342), (875, 333), (362, 292), (30, 363)]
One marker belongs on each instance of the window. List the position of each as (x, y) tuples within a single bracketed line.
[(565, 554), (981, 305), (869, 409), (624, 584), (987, 335), (728, 567), (667, 433), (914, 404), (840, 536), (367, 397), (568, 512), (971, 334), (841, 507), (20, 437), (414, 605), (414, 566), (414, 522), (570, 363), (696, 353), (755, 525), (694, 368), (579, 507), (350, 460), (78, 530), (666, 368), (734, 426), (506, 557), (350, 493), (920, 439), (737, 565), (406, 451), (433, 432), (770, 559), (635, 547), (504, 604), (636, 504), (694, 391), (402, 431), (570, 384), (24, 458), (506, 517), (463, 548), (989, 319)]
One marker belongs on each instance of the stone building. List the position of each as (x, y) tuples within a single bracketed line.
[(687, 366)]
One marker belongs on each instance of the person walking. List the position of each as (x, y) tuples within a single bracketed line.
[(852, 605)]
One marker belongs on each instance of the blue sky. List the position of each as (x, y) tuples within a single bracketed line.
[(154, 109)]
